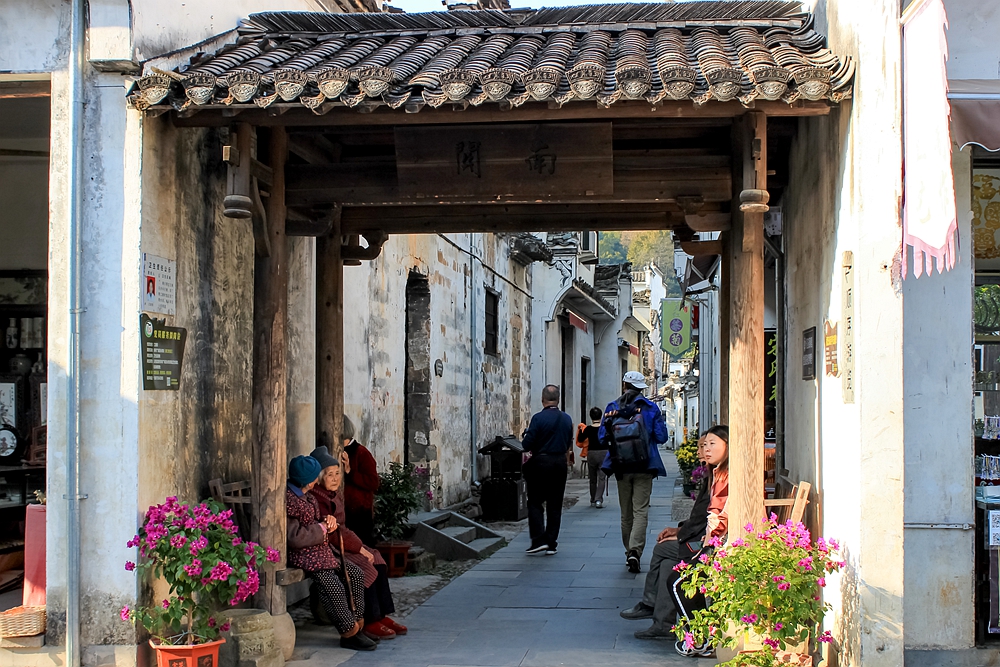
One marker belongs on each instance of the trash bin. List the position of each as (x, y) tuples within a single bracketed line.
[(504, 496)]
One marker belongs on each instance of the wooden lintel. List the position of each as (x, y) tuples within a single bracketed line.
[(12, 90), (308, 224), (294, 114), (702, 248)]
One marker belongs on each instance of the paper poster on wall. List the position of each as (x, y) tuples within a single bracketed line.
[(994, 528), (159, 284)]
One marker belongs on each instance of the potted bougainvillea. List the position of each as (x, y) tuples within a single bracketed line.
[(208, 567), (763, 589)]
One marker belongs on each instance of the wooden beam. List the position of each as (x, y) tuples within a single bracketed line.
[(330, 336), (14, 90), (270, 387), (746, 335), (299, 116), (361, 183), (702, 248)]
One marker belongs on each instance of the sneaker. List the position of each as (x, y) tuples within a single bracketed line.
[(696, 651), (551, 551), (633, 562), (654, 633), (637, 612), (358, 642), (593, 503), (378, 632), (541, 548), (599, 504)]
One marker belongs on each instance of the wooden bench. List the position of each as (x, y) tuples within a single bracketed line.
[(238, 495), (790, 500)]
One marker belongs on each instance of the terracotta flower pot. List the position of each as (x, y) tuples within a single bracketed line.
[(188, 655), (396, 554)]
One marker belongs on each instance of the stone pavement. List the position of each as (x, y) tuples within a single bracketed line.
[(515, 610)]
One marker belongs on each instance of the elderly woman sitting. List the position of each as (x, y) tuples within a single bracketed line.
[(309, 550), (378, 597)]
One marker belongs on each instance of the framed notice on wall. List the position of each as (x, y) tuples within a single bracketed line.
[(809, 354), (162, 354)]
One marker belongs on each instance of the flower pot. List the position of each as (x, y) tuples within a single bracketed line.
[(750, 642), (188, 655), (396, 554)]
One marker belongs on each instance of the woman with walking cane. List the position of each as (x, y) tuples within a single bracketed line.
[(378, 597), (309, 549)]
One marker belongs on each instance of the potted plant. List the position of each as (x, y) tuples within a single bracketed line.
[(197, 551), (687, 461), (398, 494), (767, 584)]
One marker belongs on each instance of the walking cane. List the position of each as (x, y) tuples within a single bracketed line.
[(347, 575)]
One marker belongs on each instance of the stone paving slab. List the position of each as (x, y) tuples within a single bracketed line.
[(515, 610)]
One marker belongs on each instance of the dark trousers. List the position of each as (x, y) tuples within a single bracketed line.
[(660, 578), (362, 522), (378, 597), (545, 477)]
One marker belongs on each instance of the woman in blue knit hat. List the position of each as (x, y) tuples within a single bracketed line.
[(308, 549)]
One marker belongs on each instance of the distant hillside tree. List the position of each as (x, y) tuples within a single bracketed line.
[(612, 250), (655, 246)]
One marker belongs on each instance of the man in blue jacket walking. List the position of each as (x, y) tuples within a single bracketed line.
[(635, 483)]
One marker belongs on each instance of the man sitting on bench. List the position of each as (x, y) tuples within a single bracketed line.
[(673, 545)]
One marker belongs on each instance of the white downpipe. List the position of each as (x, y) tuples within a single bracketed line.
[(76, 84)]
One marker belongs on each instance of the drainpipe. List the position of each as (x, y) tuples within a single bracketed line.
[(76, 74), (473, 346)]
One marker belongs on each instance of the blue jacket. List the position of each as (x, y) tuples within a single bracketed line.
[(655, 426)]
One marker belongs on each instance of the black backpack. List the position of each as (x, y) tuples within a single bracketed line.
[(628, 432)]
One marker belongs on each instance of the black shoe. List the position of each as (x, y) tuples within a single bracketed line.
[(359, 642), (654, 633), (541, 548), (633, 562), (638, 612)]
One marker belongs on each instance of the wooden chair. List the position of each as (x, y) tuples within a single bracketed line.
[(790, 500)]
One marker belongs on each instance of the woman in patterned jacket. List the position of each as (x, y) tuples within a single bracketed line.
[(308, 549)]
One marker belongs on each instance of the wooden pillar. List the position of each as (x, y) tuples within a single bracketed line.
[(746, 325), (270, 388), (330, 336)]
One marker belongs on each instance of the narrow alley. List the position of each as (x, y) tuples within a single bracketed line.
[(534, 611)]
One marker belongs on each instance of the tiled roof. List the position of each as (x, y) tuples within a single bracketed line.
[(700, 51)]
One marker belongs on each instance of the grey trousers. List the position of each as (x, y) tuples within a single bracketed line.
[(598, 480), (634, 490), (656, 593)]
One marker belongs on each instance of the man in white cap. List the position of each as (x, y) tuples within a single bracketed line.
[(633, 427)]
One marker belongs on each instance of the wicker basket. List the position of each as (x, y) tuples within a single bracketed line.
[(22, 622)]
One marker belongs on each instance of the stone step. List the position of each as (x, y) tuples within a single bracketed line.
[(424, 562), (464, 534), (485, 546)]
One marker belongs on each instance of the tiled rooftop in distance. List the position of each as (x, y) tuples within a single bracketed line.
[(743, 50)]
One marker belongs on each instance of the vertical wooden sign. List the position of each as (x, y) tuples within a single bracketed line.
[(847, 365)]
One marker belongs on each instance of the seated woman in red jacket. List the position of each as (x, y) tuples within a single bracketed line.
[(378, 597), (360, 484), (309, 550)]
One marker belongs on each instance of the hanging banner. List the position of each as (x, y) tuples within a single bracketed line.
[(675, 318), (930, 223)]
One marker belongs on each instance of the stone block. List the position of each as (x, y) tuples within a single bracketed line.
[(37, 641), (251, 640), (284, 632)]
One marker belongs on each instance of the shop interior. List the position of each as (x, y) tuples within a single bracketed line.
[(24, 217)]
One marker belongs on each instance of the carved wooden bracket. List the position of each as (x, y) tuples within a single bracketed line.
[(375, 238), (238, 203)]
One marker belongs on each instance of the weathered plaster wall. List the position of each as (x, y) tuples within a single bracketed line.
[(973, 47), (374, 351), (45, 21), (842, 197), (938, 376)]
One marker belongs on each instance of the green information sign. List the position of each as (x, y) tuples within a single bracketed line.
[(675, 326), (162, 353)]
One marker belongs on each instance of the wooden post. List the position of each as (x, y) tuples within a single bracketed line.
[(330, 335), (746, 328), (270, 388)]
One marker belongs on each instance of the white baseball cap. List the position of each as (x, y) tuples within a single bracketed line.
[(635, 379)]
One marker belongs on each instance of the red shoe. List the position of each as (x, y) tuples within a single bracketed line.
[(393, 625), (379, 631)]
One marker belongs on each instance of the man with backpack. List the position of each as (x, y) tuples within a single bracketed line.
[(633, 427)]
